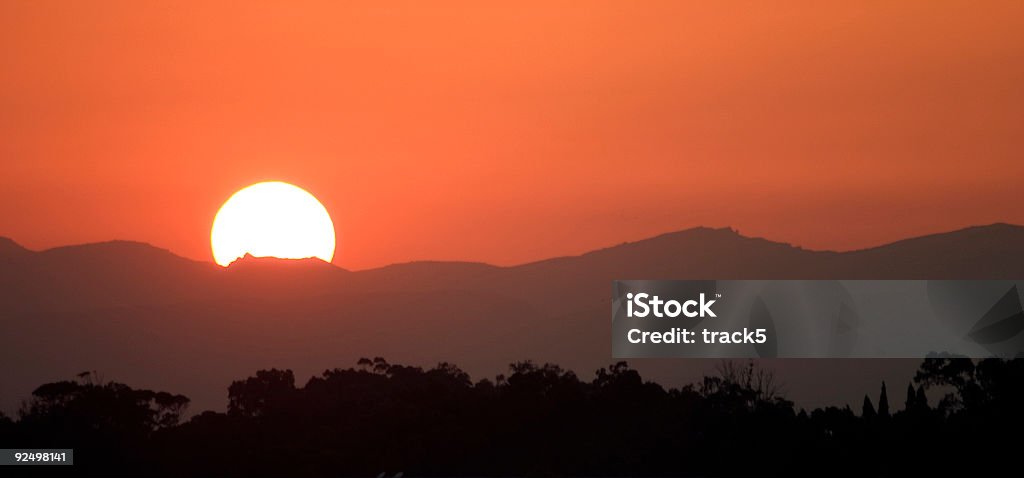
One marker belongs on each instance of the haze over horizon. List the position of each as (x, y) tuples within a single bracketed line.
[(157, 320)]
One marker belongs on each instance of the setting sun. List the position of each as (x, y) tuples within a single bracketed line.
[(272, 219)]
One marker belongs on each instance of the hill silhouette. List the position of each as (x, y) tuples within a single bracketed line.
[(145, 316)]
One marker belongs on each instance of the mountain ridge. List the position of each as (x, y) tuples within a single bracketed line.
[(157, 320), (8, 246)]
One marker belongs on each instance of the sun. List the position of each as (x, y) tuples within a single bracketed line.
[(272, 219)]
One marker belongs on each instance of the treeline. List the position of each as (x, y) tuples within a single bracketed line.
[(536, 420)]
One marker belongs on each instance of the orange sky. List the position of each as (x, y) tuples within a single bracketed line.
[(506, 134)]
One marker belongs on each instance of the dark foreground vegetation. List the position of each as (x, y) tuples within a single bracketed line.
[(536, 420)]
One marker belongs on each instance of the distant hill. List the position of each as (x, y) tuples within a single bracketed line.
[(144, 316)]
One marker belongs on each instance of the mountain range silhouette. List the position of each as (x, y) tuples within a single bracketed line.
[(142, 315)]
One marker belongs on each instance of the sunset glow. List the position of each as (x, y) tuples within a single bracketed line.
[(502, 133)]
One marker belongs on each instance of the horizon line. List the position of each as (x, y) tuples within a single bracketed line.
[(729, 229)]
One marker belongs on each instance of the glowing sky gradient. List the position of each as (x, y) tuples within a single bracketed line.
[(505, 134)]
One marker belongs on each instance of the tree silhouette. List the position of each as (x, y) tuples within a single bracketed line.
[(867, 410), (104, 405), (910, 404), (256, 396), (883, 403), (922, 400), (955, 374), (537, 419)]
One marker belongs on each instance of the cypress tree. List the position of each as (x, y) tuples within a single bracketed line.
[(867, 411), (910, 405), (883, 403)]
